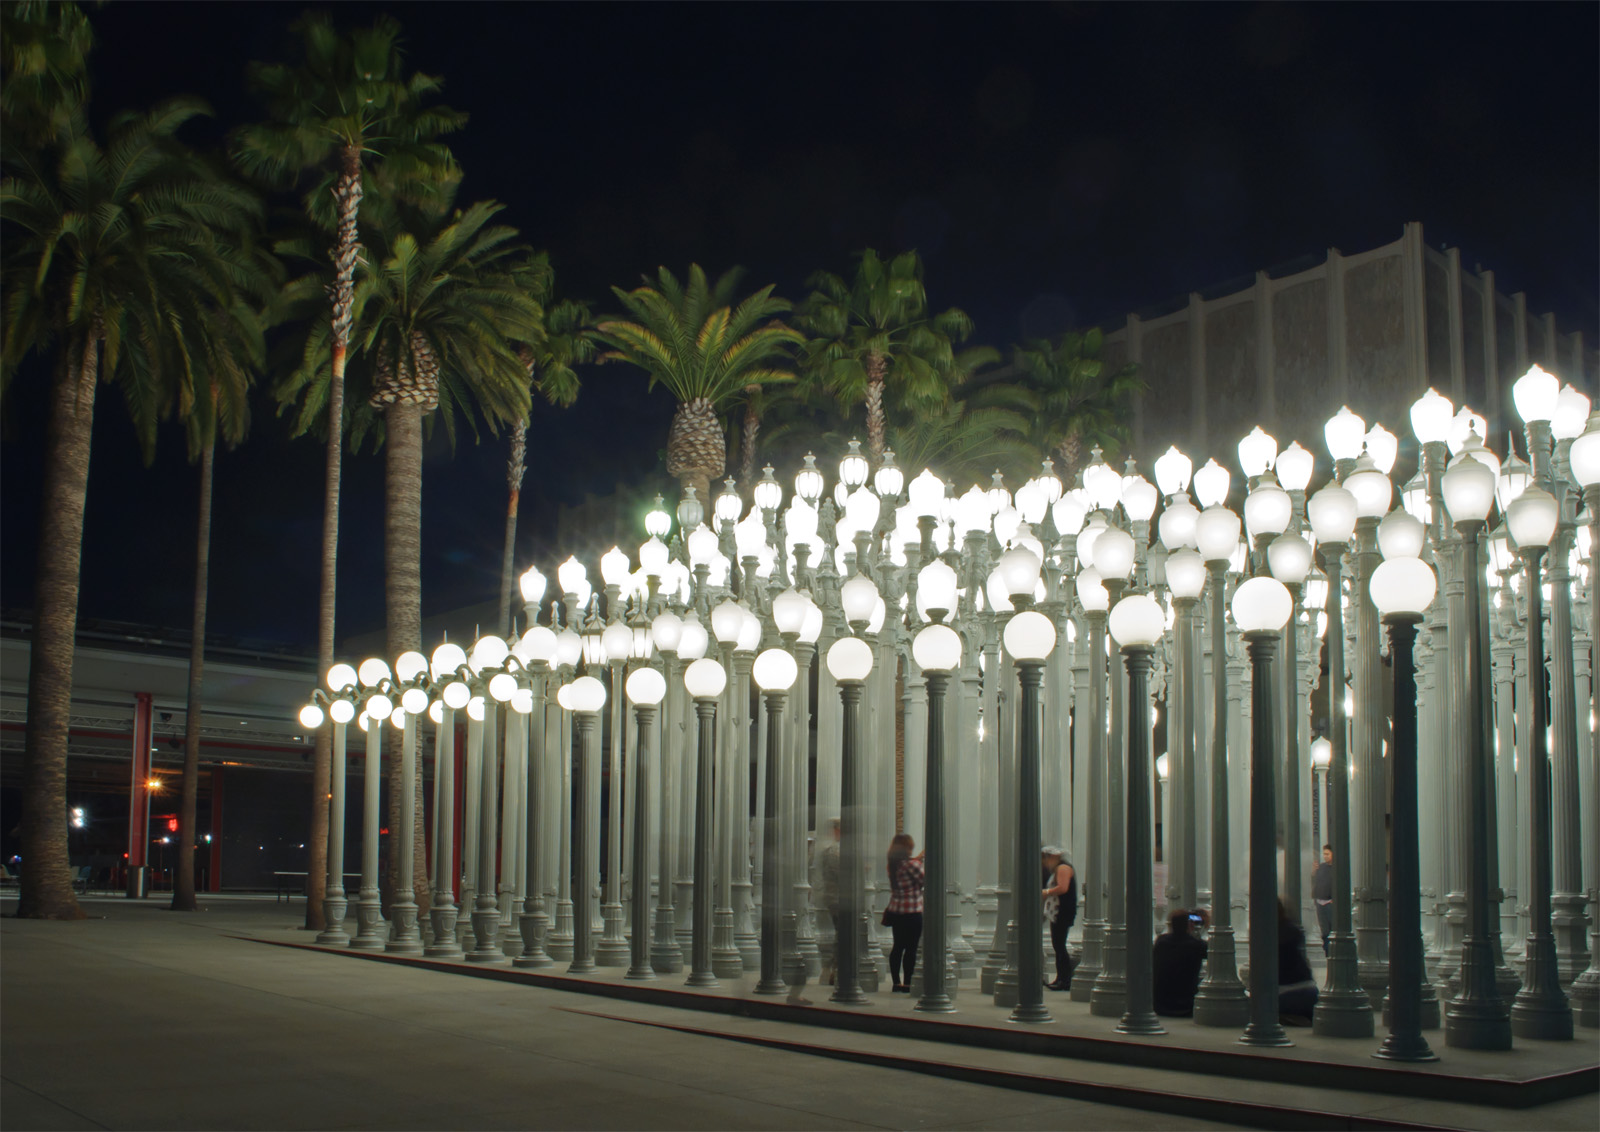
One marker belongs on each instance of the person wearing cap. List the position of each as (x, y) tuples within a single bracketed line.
[(1060, 909)]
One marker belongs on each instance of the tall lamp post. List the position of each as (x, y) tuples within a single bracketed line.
[(1136, 623), (704, 680), (774, 671), (1585, 460), (1403, 587), (645, 688), (585, 696), (937, 651), (850, 663), (1029, 638)]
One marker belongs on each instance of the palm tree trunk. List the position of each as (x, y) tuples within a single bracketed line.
[(46, 869), (347, 249), (877, 444), (515, 468), (747, 441), (402, 551), (183, 875)]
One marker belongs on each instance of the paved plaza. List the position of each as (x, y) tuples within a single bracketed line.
[(142, 1018)]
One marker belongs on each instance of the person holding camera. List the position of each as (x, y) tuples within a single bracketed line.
[(1060, 909), (1179, 954)]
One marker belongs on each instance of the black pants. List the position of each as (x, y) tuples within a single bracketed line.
[(907, 929), (1059, 927), (1324, 923)]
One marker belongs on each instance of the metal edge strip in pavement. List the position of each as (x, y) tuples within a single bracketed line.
[(1394, 1080)]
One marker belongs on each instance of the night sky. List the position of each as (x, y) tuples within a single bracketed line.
[(1056, 166)]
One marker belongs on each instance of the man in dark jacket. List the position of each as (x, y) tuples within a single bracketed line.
[(1176, 964), (1322, 895)]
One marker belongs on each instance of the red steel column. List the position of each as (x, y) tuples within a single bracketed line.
[(139, 789), (214, 873)]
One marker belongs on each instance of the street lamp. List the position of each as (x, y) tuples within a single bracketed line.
[(585, 697), (1186, 581), (937, 651), (1584, 459), (1136, 623), (1402, 588), (704, 680), (774, 671), (645, 688), (1029, 637), (850, 663), (1261, 607)]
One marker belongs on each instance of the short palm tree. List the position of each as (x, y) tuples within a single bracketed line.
[(344, 105), (872, 341), (107, 251), (706, 351)]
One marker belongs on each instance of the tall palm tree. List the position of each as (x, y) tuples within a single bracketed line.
[(44, 48), (566, 340), (1063, 389), (344, 104), (706, 351), (873, 338), (107, 250)]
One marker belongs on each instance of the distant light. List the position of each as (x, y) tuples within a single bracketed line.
[(79, 818), (166, 841), (208, 839), (244, 723), (153, 785)]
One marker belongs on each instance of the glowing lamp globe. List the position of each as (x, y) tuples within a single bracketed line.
[(850, 659), (789, 611), (455, 695), (727, 618), (1113, 554), (1257, 452), (774, 671), (373, 672), (1019, 568), (694, 640), (853, 468), (1216, 533), (667, 630), (749, 633), (1344, 434), (1162, 766), (1294, 467), (1383, 447), (1321, 752), (999, 497), (522, 702), (1402, 586), (1139, 498), (1186, 573), (808, 482), (691, 511), (1103, 485), (1092, 530), (571, 575), (1371, 487), (1178, 519), (1289, 558), (436, 710), (1173, 471), (1136, 621), (1092, 593), (1414, 498), (858, 596), (999, 596), (539, 645), (926, 494), (1267, 509), (397, 718), (936, 648), (311, 717), (1464, 425), (1468, 486), (811, 627), (1572, 411), (936, 587), (1532, 518), (1537, 395), (1430, 417), (1031, 503), (1332, 512), (488, 652), (569, 648), (414, 701), (1474, 446), (588, 694), (502, 686), (409, 665), (767, 494), (657, 523), (532, 584), (617, 641), (1401, 535), (1315, 595), (379, 706), (1029, 636), (1068, 512), (645, 687), (340, 677), (341, 711), (1261, 605), (1585, 455), (1211, 484)]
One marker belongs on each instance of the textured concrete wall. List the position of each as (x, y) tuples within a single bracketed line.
[(1375, 345), (1300, 360), (1232, 400)]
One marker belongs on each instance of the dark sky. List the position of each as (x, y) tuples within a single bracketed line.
[(1055, 165)]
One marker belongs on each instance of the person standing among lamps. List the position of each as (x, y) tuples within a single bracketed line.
[(903, 916), (1060, 910), (828, 885), (1322, 894)]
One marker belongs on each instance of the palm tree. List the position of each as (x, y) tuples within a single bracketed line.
[(706, 351), (107, 250), (45, 48), (874, 336), (962, 444), (566, 340), (345, 103), (1067, 396)]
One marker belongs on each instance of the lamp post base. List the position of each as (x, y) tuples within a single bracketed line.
[(1343, 1009), (1142, 1023), (333, 913), (1476, 1024), (1083, 979), (1585, 998), (1005, 982), (404, 938), (1108, 997), (611, 950), (372, 933), (560, 942), (444, 946), (1269, 1034), (666, 956), (1412, 1047), (534, 925), (486, 931), (1032, 1013), (726, 960)]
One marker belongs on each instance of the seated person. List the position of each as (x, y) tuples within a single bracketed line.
[(1176, 963), (1297, 989)]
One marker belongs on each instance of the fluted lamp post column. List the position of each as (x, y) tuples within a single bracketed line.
[(448, 660), (411, 673), (1540, 1008), (585, 696), (774, 672), (850, 662), (645, 688), (1029, 638), (489, 653), (1403, 587), (1476, 1017), (334, 904), (1136, 624), (539, 646), (937, 651), (704, 680), (1585, 460)]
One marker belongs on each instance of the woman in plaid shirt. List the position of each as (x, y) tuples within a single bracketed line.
[(904, 914)]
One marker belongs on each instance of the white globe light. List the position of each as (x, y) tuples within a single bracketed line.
[(569, 648), (653, 557), (1068, 513), (532, 584), (409, 665), (936, 587), (645, 687), (767, 494), (1332, 512), (1092, 593), (999, 595), (925, 494), (617, 642), (488, 652), (311, 717), (727, 618), (789, 610), (1136, 621), (1537, 394), (588, 694), (397, 718), (1161, 766), (1139, 498), (1257, 452), (522, 702), (1029, 636), (1216, 533), (1186, 573), (365, 722), (1463, 425), (436, 711), (340, 677), (1211, 484), (1289, 558), (1103, 485), (1401, 535), (850, 658), (774, 671), (502, 686), (1294, 467), (1321, 752), (1113, 554), (1402, 585), (705, 679), (1173, 471), (1383, 447), (808, 481), (414, 701), (858, 596), (341, 711), (1261, 605), (477, 708), (1019, 568), (936, 648), (379, 706), (1585, 455), (1430, 417), (749, 633), (572, 576), (455, 695), (1267, 510), (667, 630), (1371, 487), (1572, 411), (1468, 486), (694, 640), (563, 698), (880, 610), (540, 645), (1344, 434), (373, 672), (1177, 526), (447, 658), (1532, 518)]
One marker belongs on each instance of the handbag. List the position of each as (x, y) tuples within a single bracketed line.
[(885, 920)]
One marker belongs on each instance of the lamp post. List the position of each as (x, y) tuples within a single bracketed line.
[(1321, 756), (666, 956), (1476, 1018), (937, 651), (1584, 458), (1095, 601), (1289, 558), (1261, 607), (487, 653), (774, 671), (1186, 580), (539, 646), (1114, 553), (645, 688), (1540, 1009), (448, 660), (1136, 623), (1403, 588), (335, 904), (850, 662), (585, 697), (704, 680), (371, 934), (1029, 638)]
